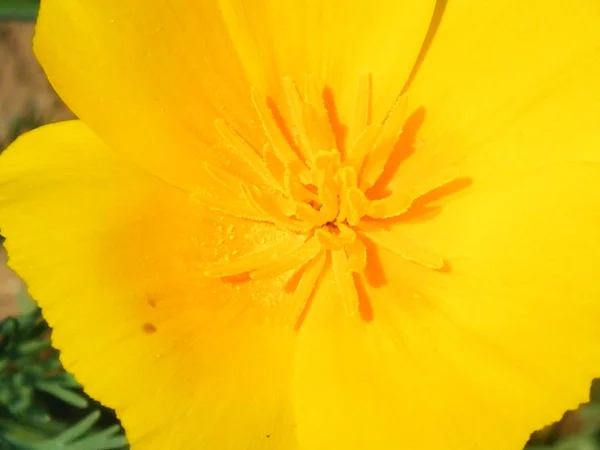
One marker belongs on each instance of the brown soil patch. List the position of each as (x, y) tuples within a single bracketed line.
[(24, 89)]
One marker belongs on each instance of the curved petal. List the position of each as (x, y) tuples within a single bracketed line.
[(116, 259), (505, 337), (151, 77), (335, 41), (357, 385), (508, 87)]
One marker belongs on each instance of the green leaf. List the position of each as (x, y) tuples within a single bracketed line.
[(29, 418), (34, 346), (61, 442), (110, 438), (60, 392), (19, 10), (80, 437), (79, 429)]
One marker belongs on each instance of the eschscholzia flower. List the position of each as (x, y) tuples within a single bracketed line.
[(318, 224)]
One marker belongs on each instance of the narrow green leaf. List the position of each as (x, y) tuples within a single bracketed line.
[(66, 395), (33, 346), (107, 439), (78, 430), (19, 10)]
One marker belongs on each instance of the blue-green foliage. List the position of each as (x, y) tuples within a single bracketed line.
[(41, 406)]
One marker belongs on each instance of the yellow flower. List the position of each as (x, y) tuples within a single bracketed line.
[(318, 224)]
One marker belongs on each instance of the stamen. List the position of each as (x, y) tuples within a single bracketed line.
[(246, 152), (316, 116), (358, 205), (296, 106), (380, 154), (288, 261), (296, 189), (362, 110), (274, 164), (303, 182), (224, 178), (279, 210), (279, 143), (306, 286), (346, 178), (345, 281), (398, 203), (392, 206), (250, 262), (434, 180), (363, 146), (353, 202), (230, 204), (405, 248), (337, 239), (357, 255), (325, 167), (307, 213), (227, 206)]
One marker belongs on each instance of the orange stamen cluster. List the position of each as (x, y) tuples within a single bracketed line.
[(314, 189)]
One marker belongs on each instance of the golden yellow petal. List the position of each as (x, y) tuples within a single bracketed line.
[(360, 385), (507, 87), (338, 42), (505, 335), (152, 77), (149, 77), (116, 259)]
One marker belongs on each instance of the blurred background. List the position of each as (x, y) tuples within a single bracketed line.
[(43, 408)]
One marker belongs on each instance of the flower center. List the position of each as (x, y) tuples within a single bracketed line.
[(312, 181)]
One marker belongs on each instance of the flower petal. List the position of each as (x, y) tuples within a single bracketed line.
[(116, 259), (505, 337), (336, 41), (151, 77), (357, 385), (508, 87)]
